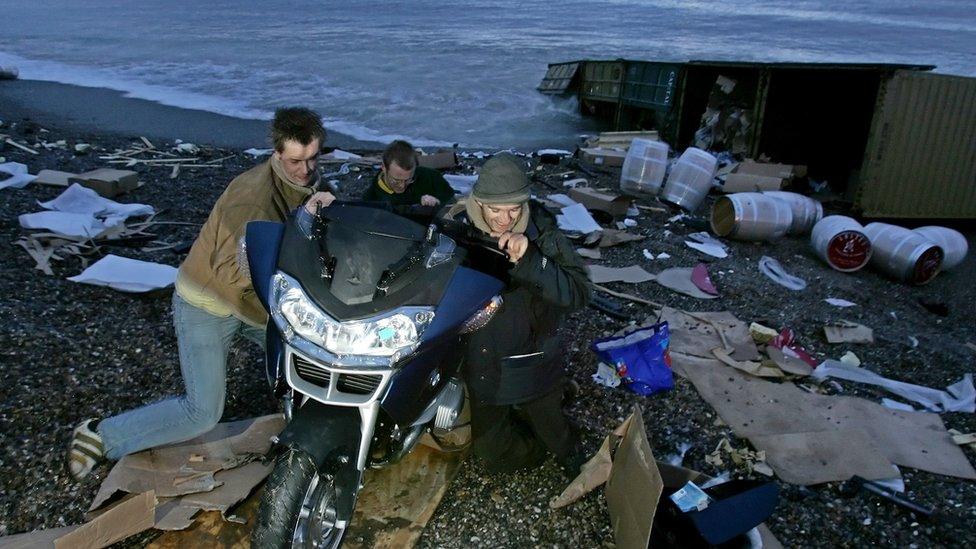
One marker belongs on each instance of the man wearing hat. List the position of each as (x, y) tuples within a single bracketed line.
[(513, 366)]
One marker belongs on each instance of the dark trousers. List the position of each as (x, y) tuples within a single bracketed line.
[(517, 436)]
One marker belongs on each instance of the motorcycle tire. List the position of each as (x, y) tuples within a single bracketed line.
[(294, 486)]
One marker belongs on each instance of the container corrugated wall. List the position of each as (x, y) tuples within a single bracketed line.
[(602, 80), (920, 160)]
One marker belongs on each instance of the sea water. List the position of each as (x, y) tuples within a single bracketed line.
[(441, 72)]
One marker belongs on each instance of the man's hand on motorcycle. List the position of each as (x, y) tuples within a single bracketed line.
[(318, 200), (428, 200), (515, 244)]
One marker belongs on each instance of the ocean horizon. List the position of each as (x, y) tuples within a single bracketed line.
[(436, 73)]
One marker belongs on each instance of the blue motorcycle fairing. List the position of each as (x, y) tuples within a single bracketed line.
[(411, 389), (263, 242), (468, 291), (330, 435)]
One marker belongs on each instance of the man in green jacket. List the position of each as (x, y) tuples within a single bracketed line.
[(402, 182), (514, 364), (214, 301)]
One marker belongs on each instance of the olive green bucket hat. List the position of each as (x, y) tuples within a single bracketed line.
[(501, 181)]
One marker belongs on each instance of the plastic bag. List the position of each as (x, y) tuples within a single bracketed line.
[(641, 358)]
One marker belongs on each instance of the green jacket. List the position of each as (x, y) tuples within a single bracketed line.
[(426, 181), (517, 356)]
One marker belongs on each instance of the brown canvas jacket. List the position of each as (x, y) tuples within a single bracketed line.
[(211, 266)]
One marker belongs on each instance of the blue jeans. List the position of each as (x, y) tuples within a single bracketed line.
[(204, 341)]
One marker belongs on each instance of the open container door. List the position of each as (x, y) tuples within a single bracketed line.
[(920, 160)]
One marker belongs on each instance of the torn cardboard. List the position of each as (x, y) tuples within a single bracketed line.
[(169, 472), (613, 237), (745, 182), (634, 482), (756, 408), (809, 458), (633, 274), (680, 279), (612, 204), (846, 331), (695, 334)]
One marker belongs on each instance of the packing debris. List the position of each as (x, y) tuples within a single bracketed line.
[(707, 244), (633, 274), (682, 280), (19, 178), (742, 458), (958, 397), (127, 275), (775, 272), (845, 331), (836, 302)]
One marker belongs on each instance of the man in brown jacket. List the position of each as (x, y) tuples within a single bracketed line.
[(214, 301)]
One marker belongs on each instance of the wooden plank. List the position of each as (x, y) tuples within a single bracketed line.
[(393, 508)]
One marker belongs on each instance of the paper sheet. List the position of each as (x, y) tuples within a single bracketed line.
[(846, 331), (68, 224), (127, 275), (19, 178), (958, 397), (680, 280), (82, 200), (775, 272), (577, 218), (461, 183)]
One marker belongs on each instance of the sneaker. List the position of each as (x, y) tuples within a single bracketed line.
[(86, 450)]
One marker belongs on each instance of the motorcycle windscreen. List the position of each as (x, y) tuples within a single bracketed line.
[(365, 254)]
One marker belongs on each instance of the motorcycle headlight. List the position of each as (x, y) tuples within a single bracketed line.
[(384, 336)]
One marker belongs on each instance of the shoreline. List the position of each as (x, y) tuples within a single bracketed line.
[(104, 111)]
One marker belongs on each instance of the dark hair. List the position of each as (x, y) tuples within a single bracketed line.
[(296, 124), (402, 153)]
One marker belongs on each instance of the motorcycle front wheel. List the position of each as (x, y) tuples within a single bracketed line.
[(298, 507)]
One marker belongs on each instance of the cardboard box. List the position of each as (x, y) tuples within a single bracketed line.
[(593, 200), (749, 166), (603, 157), (440, 160), (55, 178), (108, 182), (620, 140), (745, 182)]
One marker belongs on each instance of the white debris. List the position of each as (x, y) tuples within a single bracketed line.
[(19, 178), (258, 153), (840, 302), (127, 275)]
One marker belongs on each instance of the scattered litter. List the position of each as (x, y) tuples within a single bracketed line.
[(840, 302), (787, 340), (857, 484), (680, 280), (258, 153), (574, 183), (690, 498), (82, 148), (633, 274), (705, 243), (461, 183), (696, 334), (846, 331), (108, 182), (678, 217), (913, 341), (641, 358), (606, 375), (67, 224), (761, 334), (850, 359), (770, 414), (186, 148), (81, 200), (613, 237), (775, 272), (760, 369), (127, 275), (840, 241), (589, 253), (576, 218), (742, 457), (967, 439), (958, 397), (751, 217), (678, 458), (786, 359), (895, 405), (630, 222), (561, 199), (699, 276), (663, 255), (648, 254), (24, 148), (553, 152), (19, 178)]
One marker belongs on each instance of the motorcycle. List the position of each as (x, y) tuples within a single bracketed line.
[(367, 312)]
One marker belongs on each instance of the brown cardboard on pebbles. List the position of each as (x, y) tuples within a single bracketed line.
[(695, 334), (170, 472), (763, 411)]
